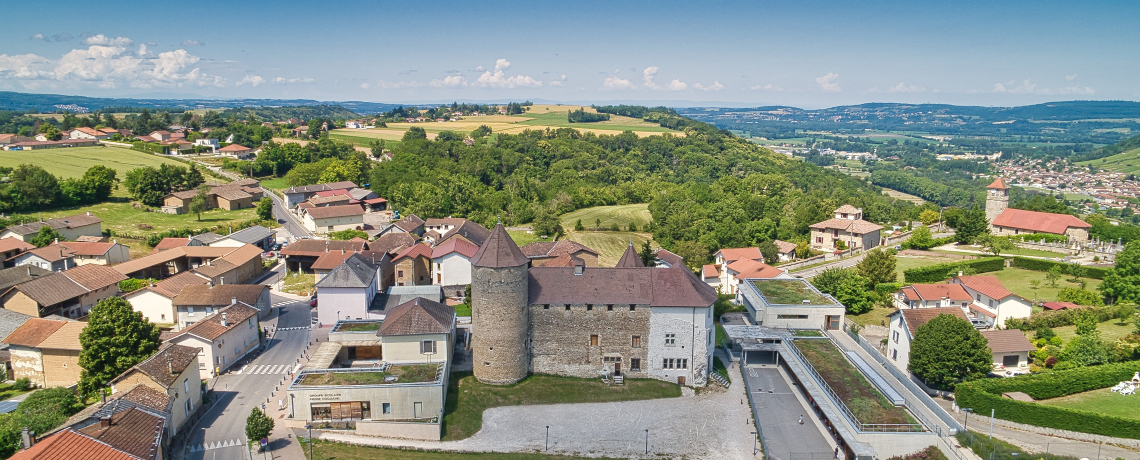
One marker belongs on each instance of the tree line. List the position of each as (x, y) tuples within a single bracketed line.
[(30, 187)]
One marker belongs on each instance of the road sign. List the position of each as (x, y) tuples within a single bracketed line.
[(264, 442)]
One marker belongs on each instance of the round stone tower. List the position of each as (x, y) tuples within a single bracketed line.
[(500, 321)]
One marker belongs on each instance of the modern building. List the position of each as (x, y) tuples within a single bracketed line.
[(847, 229), (635, 321), (224, 338), (789, 303), (46, 352), (904, 325)]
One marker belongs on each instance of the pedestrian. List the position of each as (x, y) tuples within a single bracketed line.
[(801, 420), (836, 451)]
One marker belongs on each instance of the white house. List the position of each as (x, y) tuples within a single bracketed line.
[(451, 262), (932, 296), (334, 218), (224, 338), (904, 325), (992, 302), (1010, 349), (211, 143), (156, 302), (786, 249), (347, 291), (88, 133)]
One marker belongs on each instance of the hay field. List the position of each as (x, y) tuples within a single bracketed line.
[(74, 161), (1126, 162), (610, 245), (609, 215)]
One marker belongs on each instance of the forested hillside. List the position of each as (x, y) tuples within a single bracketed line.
[(304, 112)]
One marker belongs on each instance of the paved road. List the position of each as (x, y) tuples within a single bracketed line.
[(780, 411), (291, 223), (844, 263), (221, 433)]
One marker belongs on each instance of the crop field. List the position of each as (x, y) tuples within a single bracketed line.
[(610, 245), (609, 215), (539, 117), (74, 161), (1100, 401), (1125, 162)]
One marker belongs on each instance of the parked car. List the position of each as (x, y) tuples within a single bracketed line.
[(277, 247), (978, 323), (313, 301)]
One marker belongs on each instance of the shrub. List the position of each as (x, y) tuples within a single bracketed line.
[(22, 384), (1039, 265), (888, 288), (1068, 317), (1044, 333), (929, 453), (1050, 362), (986, 394), (1056, 341), (935, 273)]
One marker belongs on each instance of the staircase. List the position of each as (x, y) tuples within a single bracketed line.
[(619, 380), (719, 379)]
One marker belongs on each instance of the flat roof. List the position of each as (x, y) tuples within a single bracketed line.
[(791, 292), (364, 325), (386, 375)]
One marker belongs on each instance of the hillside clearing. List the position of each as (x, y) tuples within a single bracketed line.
[(609, 215), (74, 161), (610, 245)]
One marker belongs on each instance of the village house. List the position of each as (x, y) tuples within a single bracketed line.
[(88, 133), (8, 139), (413, 266), (70, 227), (348, 290), (302, 254), (991, 301), (451, 262), (932, 296), (53, 257), (156, 302), (238, 151), (62, 256), (240, 194), (665, 259), (11, 247), (727, 278), (198, 301), (542, 252), (256, 235), (220, 265), (173, 373), (69, 293), (333, 218), (212, 144), (224, 338), (1010, 349), (297, 195), (904, 325), (126, 428), (410, 224), (46, 352), (1005, 221), (786, 250), (847, 230)]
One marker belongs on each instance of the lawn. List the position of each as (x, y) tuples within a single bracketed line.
[(410, 373), (299, 284), (876, 317), (790, 292), (866, 403), (610, 245), (906, 263), (1100, 401), (1125, 162), (609, 215), (277, 183), (1110, 330), (325, 450), (524, 237), (8, 390), (74, 161), (358, 327), (467, 398), (1017, 280), (1016, 251), (121, 216)]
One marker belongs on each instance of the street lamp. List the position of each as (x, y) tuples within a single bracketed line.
[(647, 441), (755, 436), (967, 418), (310, 428)]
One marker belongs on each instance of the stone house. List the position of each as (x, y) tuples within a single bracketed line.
[(1010, 349), (451, 262), (348, 290), (635, 321), (224, 338), (541, 252), (46, 352), (70, 293), (70, 227), (991, 301), (847, 227), (333, 218), (239, 194), (173, 371), (413, 266), (197, 301), (903, 326), (156, 302)]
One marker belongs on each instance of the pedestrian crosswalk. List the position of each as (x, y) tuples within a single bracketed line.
[(265, 369), (288, 302), (213, 445)]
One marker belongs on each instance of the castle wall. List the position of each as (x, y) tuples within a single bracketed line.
[(562, 344), (681, 334), (499, 319)]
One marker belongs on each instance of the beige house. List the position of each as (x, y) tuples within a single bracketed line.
[(174, 372), (1010, 349), (198, 301), (418, 331), (904, 325), (848, 228), (70, 293), (84, 253), (70, 227), (240, 194), (156, 302), (46, 352), (224, 338), (333, 218)]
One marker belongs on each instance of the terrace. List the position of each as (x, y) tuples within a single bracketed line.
[(387, 374)]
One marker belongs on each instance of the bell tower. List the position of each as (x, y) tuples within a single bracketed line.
[(997, 199)]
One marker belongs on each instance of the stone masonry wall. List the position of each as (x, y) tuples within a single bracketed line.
[(561, 342), (499, 324)]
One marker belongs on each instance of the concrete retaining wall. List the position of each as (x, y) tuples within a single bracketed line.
[(400, 430), (1086, 437)]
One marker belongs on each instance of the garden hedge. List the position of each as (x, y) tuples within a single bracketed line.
[(986, 394), (936, 273), (1040, 265)]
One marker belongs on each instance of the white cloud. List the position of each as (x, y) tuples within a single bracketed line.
[(364, 85), (1071, 77), (499, 79), (23, 66), (38, 38), (716, 86), (563, 78), (555, 83), (478, 69), (647, 76), (192, 43), (449, 82), (902, 88), (1028, 87), (104, 40), (828, 82), (398, 84), (768, 87), (287, 81), (616, 82), (106, 66), (253, 80)]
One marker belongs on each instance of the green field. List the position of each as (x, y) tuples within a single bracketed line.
[(610, 245), (390, 140), (1110, 330), (467, 398), (1017, 280), (906, 263), (1100, 401), (524, 237), (1125, 162), (120, 215), (74, 161), (555, 117), (609, 215), (325, 450)]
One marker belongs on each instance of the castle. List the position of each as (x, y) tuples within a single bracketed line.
[(630, 320)]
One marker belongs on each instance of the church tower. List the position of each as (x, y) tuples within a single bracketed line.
[(500, 322), (997, 199)]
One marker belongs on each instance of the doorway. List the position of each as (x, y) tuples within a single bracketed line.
[(417, 410), (680, 380), (617, 368)]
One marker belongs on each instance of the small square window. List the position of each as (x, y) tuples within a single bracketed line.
[(636, 341), (610, 307), (567, 307), (593, 340), (546, 306), (632, 307), (589, 307), (386, 408), (670, 339)]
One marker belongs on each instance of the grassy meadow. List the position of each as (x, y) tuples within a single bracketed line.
[(1100, 401), (609, 215), (74, 161), (1110, 330), (1125, 162), (610, 245)]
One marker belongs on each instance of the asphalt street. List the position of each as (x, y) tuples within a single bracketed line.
[(220, 435)]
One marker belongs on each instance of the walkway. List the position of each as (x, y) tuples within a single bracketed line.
[(780, 408)]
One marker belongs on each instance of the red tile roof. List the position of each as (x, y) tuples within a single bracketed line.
[(784, 246), (88, 249), (417, 250), (734, 254), (327, 212), (14, 244), (234, 148), (916, 317), (748, 268), (847, 209), (170, 243), (710, 271), (458, 245), (858, 227), (33, 332), (936, 292), (999, 184), (70, 445), (1060, 305), (985, 284), (1038, 221), (94, 276)]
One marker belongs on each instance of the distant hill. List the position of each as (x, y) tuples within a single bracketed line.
[(304, 112), (1123, 156), (48, 103)]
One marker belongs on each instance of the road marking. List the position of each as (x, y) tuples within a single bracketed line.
[(297, 328), (267, 369), (214, 445)]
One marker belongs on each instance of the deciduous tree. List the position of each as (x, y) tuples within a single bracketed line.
[(199, 203), (878, 266), (257, 425), (769, 251), (994, 244), (928, 216), (1123, 281), (116, 338), (947, 350), (46, 236), (920, 239)]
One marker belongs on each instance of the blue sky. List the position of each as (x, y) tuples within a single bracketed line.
[(807, 53)]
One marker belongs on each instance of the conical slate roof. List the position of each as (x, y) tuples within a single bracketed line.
[(630, 259), (499, 251)]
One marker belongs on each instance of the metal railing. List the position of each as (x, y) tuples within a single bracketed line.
[(902, 377), (850, 416), (755, 414)]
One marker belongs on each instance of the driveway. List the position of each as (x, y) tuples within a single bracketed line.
[(713, 425), (780, 411)]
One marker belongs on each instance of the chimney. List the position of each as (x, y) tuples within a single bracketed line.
[(959, 273), (56, 241), (104, 422), (209, 284), (326, 245), (222, 280), (170, 366), (224, 322), (26, 438), (233, 301)]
